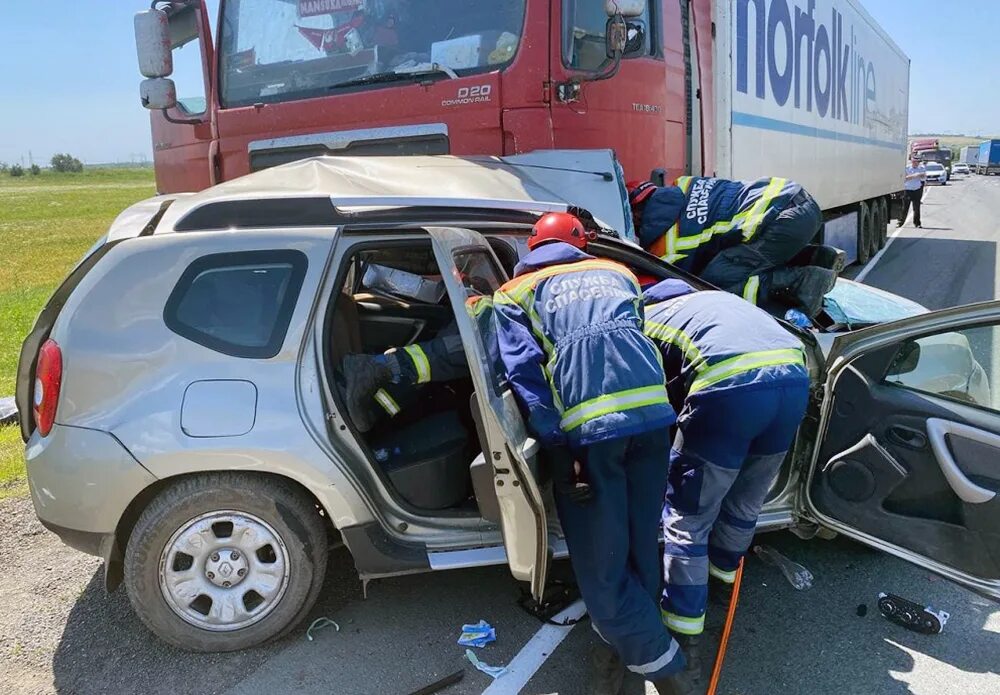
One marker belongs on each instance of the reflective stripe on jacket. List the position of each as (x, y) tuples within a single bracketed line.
[(714, 340), (569, 330), (712, 215)]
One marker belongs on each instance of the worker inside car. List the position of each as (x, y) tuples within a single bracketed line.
[(382, 385), (739, 382), (741, 236)]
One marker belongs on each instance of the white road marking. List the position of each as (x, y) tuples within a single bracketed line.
[(860, 277), (533, 654)]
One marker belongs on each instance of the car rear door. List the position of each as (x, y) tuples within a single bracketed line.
[(472, 274), (908, 455)]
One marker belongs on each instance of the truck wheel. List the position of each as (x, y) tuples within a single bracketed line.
[(864, 233), (225, 561), (878, 225), (883, 230)]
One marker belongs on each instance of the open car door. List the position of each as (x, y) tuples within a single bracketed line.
[(908, 456), (472, 274)]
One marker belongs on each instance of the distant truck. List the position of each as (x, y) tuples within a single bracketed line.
[(969, 155), (988, 162)]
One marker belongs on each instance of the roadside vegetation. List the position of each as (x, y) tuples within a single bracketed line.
[(47, 221)]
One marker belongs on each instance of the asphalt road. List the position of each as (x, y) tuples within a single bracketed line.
[(402, 636)]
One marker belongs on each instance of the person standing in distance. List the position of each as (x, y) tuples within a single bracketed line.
[(913, 190), (569, 331)]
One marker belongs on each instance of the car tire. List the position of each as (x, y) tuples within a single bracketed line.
[(276, 537), (864, 233)]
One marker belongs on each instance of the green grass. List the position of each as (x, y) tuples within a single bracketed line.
[(47, 222)]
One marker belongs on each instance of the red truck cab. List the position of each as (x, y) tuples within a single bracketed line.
[(286, 79)]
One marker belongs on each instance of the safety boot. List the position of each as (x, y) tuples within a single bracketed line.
[(607, 670), (364, 374), (720, 592), (677, 684), (821, 255), (804, 286)]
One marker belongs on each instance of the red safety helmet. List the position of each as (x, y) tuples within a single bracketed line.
[(638, 191), (558, 226)]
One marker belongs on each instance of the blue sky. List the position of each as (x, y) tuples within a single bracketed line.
[(69, 82)]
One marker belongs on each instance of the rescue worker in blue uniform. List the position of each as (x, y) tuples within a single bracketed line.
[(383, 385), (569, 331), (740, 236), (740, 384)]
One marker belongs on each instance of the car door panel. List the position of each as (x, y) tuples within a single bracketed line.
[(913, 471), (511, 452)]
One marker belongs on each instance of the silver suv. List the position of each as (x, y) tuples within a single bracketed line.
[(180, 397)]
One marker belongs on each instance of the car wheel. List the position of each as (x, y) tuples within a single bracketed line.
[(225, 561)]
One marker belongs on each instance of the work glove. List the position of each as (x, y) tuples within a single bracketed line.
[(589, 223), (568, 476)]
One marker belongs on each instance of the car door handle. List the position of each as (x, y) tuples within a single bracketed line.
[(907, 437), (967, 490)]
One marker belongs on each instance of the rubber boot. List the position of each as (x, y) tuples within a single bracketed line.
[(364, 375), (720, 592), (691, 646), (804, 287), (821, 255), (607, 670), (677, 684)]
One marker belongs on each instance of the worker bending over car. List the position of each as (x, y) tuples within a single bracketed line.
[(740, 384), (740, 236), (569, 330)]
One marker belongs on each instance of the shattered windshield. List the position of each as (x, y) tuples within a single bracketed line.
[(855, 305), (280, 50)]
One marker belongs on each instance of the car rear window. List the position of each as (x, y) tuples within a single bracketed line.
[(239, 304)]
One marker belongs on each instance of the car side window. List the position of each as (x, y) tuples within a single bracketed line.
[(239, 304), (958, 365)]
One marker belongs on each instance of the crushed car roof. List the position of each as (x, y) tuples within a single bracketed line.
[(538, 181)]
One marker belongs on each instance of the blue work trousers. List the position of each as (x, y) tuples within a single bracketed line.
[(613, 547), (727, 453)]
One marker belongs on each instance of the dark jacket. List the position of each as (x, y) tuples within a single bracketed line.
[(689, 223)]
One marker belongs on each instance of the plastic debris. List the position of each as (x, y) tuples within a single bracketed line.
[(478, 635), (493, 672), (798, 576), (319, 624), (797, 318)]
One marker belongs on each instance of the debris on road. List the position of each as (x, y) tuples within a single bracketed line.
[(478, 635), (441, 684), (912, 616), (797, 575), (319, 624), (862, 610), (493, 672)]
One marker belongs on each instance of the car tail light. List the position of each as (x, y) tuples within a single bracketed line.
[(48, 380)]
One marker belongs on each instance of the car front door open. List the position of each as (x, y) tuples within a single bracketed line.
[(908, 457), (472, 274)]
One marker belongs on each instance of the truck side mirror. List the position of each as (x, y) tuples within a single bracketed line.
[(625, 8), (158, 93), (152, 43)]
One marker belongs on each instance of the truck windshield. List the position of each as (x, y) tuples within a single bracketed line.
[(281, 50)]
